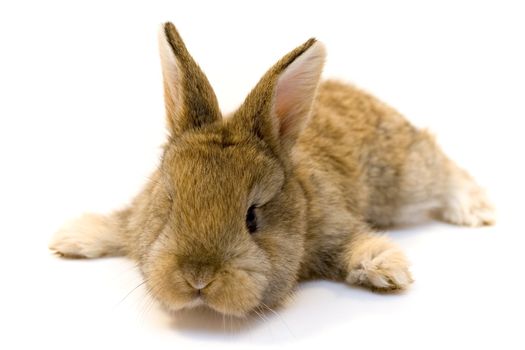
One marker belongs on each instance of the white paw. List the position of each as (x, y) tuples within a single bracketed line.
[(89, 236), (385, 269), (469, 207)]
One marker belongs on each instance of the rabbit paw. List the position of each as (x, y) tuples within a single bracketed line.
[(90, 236), (379, 264)]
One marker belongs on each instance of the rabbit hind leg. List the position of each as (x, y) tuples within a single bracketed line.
[(433, 184)]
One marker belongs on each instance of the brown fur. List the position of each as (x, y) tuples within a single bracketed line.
[(323, 165)]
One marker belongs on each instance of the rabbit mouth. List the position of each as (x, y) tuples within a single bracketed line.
[(202, 302), (196, 302), (236, 293)]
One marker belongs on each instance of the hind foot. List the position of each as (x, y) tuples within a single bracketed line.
[(466, 204)]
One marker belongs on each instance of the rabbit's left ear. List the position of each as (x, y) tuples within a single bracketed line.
[(279, 106), (189, 97)]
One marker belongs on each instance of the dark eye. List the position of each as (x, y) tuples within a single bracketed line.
[(251, 220)]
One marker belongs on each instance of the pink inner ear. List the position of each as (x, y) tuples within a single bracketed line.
[(171, 75), (286, 100), (295, 92)]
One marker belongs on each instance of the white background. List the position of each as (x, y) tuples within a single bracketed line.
[(81, 122)]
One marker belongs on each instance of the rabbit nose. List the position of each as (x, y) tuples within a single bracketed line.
[(198, 283)]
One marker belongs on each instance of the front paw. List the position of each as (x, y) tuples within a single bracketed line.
[(90, 236), (378, 264)]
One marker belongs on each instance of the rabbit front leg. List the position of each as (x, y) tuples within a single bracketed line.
[(91, 236), (374, 261), (124, 232)]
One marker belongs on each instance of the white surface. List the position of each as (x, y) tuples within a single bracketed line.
[(81, 118)]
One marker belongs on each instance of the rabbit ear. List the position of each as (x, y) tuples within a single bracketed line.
[(189, 98), (279, 106)]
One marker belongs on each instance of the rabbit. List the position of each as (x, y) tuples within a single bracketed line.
[(296, 184)]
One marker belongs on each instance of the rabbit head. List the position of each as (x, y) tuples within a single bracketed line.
[(232, 207)]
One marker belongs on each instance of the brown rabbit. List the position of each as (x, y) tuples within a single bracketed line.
[(289, 187)]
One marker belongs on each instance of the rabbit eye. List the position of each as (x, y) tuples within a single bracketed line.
[(251, 220)]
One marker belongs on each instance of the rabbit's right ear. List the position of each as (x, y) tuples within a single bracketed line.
[(189, 97), (280, 105)]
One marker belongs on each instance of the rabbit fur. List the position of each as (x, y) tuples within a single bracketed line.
[(319, 166)]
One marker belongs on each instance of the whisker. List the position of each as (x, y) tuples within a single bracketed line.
[(148, 304), (129, 293), (280, 318), (261, 316)]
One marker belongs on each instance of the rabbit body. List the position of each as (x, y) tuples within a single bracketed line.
[(292, 186)]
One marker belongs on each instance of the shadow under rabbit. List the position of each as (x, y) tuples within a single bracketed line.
[(316, 306)]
